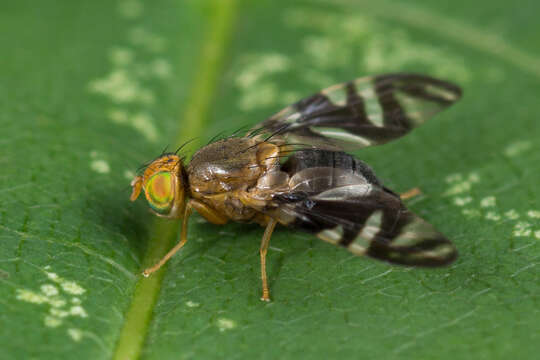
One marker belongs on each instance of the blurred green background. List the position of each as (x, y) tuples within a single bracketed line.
[(91, 90)]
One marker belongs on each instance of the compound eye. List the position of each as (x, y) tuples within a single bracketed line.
[(159, 192)]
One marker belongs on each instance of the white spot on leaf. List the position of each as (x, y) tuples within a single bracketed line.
[(533, 214), (318, 78), (474, 177), (51, 321), (395, 49), (260, 95), (511, 214), (78, 311), (58, 313), (522, 229), (130, 9), (224, 324), (31, 297), (144, 124), (192, 304), (75, 334), (100, 166), (325, 52), (129, 174), (141, 122), (453, 178), (57, 302), (289, 97), (488, 201), (491, 215), (257, 66), (382, 47), (49, 290), (121, 87), (342, 40), (118, 116), (462, 201), (52, 296), (458, 189), (121, 56), (160, 68), (459, 184), (52, 275), (517, 148), (471, 213), (149, 41), (72, 287)]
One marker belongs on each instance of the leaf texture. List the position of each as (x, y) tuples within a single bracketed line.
[(92, 90)]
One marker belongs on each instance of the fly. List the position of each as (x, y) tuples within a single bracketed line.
[(291, 169)]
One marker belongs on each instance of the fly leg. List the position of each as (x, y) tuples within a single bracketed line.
[(410, 193), (207, 212), (264, 248)]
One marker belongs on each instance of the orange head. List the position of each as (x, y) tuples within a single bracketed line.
[(163, 184)]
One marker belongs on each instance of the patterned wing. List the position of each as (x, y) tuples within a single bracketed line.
[(338, 198), (367, 111)]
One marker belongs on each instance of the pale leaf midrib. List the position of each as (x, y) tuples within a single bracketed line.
[(134, 331)]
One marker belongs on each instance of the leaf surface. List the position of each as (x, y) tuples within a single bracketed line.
[(91, 90)]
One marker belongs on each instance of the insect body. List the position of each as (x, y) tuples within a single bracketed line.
[(291, 170)]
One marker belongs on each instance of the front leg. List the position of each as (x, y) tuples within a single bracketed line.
[(208, 213), (410, 194)]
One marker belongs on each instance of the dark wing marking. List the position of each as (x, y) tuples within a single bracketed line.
[(347, 206), (367, 111)]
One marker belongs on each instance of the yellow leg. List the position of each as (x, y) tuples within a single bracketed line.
[(207, 212), (410, 194), (182, 242), (264, 248)]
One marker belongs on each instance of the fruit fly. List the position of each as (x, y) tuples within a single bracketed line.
[(292, 170)]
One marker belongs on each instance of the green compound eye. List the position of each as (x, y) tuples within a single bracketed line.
[(159, 192)]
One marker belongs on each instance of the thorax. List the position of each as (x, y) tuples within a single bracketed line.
[(218, 172)]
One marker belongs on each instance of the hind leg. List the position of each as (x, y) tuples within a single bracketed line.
[(410, 193), (264, 248)]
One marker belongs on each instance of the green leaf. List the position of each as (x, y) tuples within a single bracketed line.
[(91, 90)]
